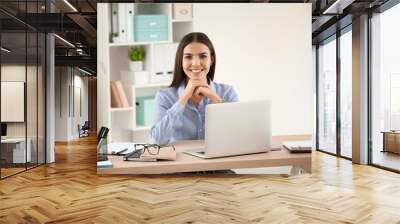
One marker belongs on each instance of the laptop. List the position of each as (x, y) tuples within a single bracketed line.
[(235, 129)]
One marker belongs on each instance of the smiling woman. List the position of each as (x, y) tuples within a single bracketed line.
[(179, 110)]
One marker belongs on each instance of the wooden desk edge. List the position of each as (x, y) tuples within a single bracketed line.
[(192, 164), (162, 168)]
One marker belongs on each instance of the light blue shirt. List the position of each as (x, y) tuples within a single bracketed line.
[(173, 121)]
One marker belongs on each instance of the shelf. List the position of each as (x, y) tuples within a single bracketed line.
[(152, 85), (122, 121), (138, 43), (115, 109), (181, 20), (141, 128)]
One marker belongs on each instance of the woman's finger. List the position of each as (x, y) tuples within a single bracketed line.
[(197, 91)]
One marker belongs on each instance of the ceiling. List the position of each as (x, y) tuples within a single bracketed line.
[(78, 27), (77, 24)]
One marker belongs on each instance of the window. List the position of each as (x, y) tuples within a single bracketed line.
[(327, 96), (385, 85), (346, 93)]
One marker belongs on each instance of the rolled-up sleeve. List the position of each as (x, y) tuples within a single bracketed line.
[(230, 95), (165, 119)]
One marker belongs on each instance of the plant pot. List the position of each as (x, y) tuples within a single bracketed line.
[(136, 66)]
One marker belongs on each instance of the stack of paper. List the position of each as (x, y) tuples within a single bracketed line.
[(116, 147)]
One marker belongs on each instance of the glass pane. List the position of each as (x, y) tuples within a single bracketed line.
[(32, 87), (41, 99), (386, 89), (31, 100), (13, 86), (327, 97), (346, 94), (23, 57)]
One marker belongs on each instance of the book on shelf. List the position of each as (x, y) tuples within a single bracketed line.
[(118, 95), (115, 100)]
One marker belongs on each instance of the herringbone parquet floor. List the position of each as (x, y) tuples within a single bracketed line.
[(70, 191)]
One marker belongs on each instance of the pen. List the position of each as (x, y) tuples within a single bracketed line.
[(123, 150)]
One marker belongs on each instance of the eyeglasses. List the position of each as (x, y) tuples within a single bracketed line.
[(152, 149)]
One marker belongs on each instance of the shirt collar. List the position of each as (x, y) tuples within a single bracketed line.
[(181, 87)]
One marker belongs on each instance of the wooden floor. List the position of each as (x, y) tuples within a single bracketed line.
[(70, 191), (10, 171), (387, 159)]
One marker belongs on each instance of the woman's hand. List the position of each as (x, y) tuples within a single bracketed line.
[(207, 92), (190, 89)]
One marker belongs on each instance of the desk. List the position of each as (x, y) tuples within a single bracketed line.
[(17, 150), (188, 163), (391, 141)]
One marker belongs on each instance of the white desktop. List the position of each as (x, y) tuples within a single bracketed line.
[(19, 154)]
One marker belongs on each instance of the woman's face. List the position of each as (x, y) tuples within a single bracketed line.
[(196, 61)]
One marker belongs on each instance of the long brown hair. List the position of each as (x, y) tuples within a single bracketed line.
[(198, 37)]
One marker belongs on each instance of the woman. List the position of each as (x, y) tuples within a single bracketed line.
[(180, 109)]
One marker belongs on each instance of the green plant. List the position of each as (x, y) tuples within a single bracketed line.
[(136, 54)]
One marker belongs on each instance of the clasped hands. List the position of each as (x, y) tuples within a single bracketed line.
[(196, 89)]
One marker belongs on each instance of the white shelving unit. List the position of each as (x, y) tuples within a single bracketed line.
[(113, 60), (141, 128), (117, 109), (152, 85)]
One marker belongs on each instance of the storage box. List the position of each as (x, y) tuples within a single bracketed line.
[(145, 110), (182, 11), (135, 78), (161, 77), (151, 35), (163, 63), (151, 22), (141, 78), (151, 27)]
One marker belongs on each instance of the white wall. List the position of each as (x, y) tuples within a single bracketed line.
[(264, 51), (34, 125), (82, 83), (67, 85), (18, 73), (61, 104)]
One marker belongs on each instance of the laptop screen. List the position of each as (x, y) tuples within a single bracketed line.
[(3, 129)]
